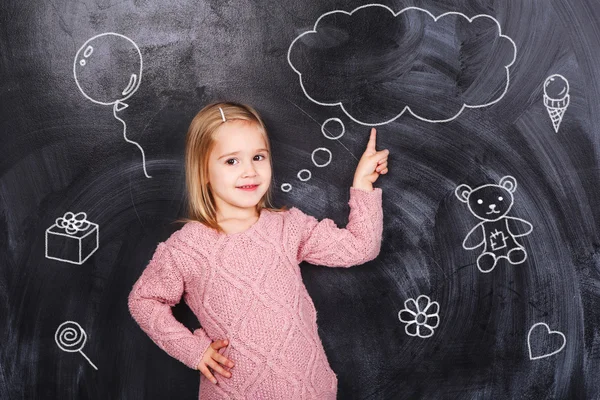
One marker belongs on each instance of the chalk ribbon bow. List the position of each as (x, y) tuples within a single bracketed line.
[(73, 223)]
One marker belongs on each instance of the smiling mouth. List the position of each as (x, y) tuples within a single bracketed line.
[(493, 212), (248, 187)]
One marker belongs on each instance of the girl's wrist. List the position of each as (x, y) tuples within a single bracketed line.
[(368, 186)]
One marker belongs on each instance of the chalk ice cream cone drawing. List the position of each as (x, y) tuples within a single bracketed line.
[(556, 98)]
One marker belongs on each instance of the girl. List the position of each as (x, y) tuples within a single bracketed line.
[(235, 262)]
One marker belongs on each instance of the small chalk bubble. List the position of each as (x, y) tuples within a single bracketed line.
[(305, 172), (318, 150), (286, 187), (328, 122)]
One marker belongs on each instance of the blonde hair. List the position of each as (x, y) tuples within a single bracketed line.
[(200, 141)]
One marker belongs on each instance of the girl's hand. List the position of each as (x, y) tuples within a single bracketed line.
[(212, 357), (371, 165)]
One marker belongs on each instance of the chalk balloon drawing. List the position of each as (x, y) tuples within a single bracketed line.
[(107, 71), (377, 64)]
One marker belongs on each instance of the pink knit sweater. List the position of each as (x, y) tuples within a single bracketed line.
[(247, 287)]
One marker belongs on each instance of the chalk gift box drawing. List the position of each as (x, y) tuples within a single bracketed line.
[(72, 238)]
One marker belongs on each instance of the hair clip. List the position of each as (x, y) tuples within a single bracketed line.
[(222, 114)]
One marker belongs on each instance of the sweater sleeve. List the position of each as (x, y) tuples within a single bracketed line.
[(159, 288), (323, 243)]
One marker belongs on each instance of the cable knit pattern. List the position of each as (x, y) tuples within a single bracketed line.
[(247, 287)]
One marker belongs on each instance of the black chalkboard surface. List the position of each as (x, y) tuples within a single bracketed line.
[(488, 282)]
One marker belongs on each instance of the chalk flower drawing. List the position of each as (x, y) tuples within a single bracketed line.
[(421, 316)]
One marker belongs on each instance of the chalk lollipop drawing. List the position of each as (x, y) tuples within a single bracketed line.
[(107, 71), (544, 335), (71, 337), (556, 98)]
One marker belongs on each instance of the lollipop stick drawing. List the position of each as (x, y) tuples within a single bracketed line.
[(107, 71), (556, 98), (71, 337)]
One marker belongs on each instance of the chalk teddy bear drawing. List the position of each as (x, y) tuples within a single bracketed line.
[(497, 232)]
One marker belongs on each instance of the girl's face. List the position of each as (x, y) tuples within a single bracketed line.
[(239, 158)]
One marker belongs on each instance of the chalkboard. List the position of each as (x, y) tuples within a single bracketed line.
[(488, 281)]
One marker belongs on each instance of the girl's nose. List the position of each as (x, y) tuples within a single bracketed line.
[(249, 170)]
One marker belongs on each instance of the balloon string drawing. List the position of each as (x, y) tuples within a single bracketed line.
[(107, 71)]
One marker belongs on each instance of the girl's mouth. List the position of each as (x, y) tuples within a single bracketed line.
[(248, 188)]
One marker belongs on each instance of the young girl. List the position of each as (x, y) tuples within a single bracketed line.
[(235, 262)]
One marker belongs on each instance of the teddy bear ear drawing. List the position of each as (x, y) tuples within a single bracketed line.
[(509, 183), (463, 192)]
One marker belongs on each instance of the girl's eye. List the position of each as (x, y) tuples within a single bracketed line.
[(233, 159)]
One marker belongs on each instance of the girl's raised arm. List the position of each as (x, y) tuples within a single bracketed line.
[(158, 289), (323, 243)]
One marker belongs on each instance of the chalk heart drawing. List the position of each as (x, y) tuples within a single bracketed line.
[(542, 332), (377, 64), (421, 316), (107, 71), (497, 232), (71, 337), (556, 98)]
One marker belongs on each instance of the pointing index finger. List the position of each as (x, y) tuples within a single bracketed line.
[(372, 139)]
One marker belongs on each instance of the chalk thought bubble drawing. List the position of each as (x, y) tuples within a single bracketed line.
[(377, 64), (107, 71), (305, 174)]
